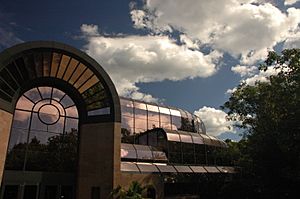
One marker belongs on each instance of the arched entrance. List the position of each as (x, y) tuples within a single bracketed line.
[(48, 93)]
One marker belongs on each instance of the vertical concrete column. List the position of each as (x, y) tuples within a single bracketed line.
[(5, 125), (99, 159)]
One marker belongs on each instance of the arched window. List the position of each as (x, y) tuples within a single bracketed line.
[(44, 132)]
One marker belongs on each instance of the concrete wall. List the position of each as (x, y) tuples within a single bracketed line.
[(99, 159), (5, 125)]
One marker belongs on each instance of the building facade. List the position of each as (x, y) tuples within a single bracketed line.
[(65, 132)]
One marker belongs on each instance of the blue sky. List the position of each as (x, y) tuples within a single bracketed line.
[(189, 54)]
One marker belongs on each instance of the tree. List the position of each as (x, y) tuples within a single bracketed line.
[(270, 114), (134, 191)]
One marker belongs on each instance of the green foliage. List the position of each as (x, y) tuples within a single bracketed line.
[(134, 191), (270, 114)]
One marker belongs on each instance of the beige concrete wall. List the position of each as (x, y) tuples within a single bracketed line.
[(154, 180), (5, 125), (99, 158)]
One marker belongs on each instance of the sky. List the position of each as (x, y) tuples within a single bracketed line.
[(189, 54)]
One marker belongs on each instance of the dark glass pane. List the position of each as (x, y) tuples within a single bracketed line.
[(175, 157), (4, 87), (100, 111), (23, 70), (9, 79), (200, 154), (15, 157), (67, 192), (38, 61), (95, 193), (30, 66), (12, 68), (176, 122), (30, 192), (54, 64), (50, 192), (11, 192), (46, 63), (152, 138), (188, 158)]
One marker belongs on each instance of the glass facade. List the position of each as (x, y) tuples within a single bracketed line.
[(44, 135), (138, 117)]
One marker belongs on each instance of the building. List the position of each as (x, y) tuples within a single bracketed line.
[(65, 132)]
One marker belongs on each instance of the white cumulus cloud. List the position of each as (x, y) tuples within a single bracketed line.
[(244, 71), (215, 121), (245, 29), (133, 59)]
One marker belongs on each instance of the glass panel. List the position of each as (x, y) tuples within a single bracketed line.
[(66, 101), (8, 79), (126, 107), (198, 169), (147, 168), (24, 104), (66, 192), (173, 137), (126, 126), (84, 77), (206, 139), (212, 169), (40, 104), (54, 65), (175, 112), (36, 124), (140, 125), (165, 121), (58, 127), (11, 192), (143, 152), (72, 66), (59, 107), (159, 156), (175, 157), (129, 166), (46, 63), (185, 138), (38, 61), (63, 65), (30, 192), (79, 70), (128, 151), (183, 169), (57, 94), (50, 192), (6, 89), (33, 95), (101, 111), (166, 168), (29, 65), (45, 92), (71, 125), (17, 137), (197, 139), (164, 110), (152, 138), (153, 116), (91, 82), (176, 122), (72, 112), (49, 114)]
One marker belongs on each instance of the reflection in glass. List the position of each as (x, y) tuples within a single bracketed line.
[(43, 137)]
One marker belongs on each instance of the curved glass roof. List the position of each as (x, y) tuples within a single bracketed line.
[(52, 63), (138, 117)]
